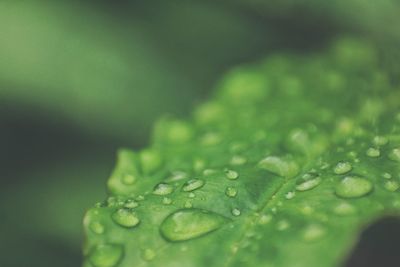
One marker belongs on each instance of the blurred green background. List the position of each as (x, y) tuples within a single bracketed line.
[(79, 79)]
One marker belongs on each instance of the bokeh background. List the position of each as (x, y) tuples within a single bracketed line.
[(80, 79)]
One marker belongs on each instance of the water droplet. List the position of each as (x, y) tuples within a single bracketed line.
[(373, 152), (290, 195), (282, 225), (188, 204), (387, 175), (166, 201), (231, 175), (309, 184), (265, 219), (148, 254), (395, 154), (392, 185), (208, 172), (236, 212), (380, 140), (97, 227), (126, 218), (344, 209), (279, 166), (313, 232), (231, 191), (131, 204), (140, 198), (238, 160), (192, 185), (187, 224), (352, 187), (106, 255), (163, 189), (128, 179), (177, 176), (191, 195), (342, 168)]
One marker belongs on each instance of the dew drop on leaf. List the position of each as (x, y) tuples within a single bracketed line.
[(391, 185), (279, 166), (97, 227), (344, 209), (187, 224), (126, 218), (352, 187), (231, 175), (236, 212), (313, 232), (342, 168), (231, 191), (373, 152), (395, 154), (106, 255), (192, 185), (130, 204), (309, 184), (290, 195), (163, 189)]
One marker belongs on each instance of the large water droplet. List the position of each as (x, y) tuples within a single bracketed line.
[(309, 184), (231, 191), (342, 168), (373, 152), (163, 189), (395, 154), (192, 185), (126, 218), (352, 187), (187, 224), (106, 255), (279, 166)]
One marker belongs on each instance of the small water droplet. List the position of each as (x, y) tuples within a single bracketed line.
[(208, 172), (279, 166), (163, 189), (231, 175), (313, 232), (126, 218), (238, 160), (188, 204), (140, 198), (373, 152), (106, 255), (128, 179), (187, 224), (387, 175), (352, 187), (148, 254), (265, 219), (282, 225), (97, 227), (380, 140), (191, 195), (231, 191), (177, 176), (290, 195), (342, 168), (192, 185), (309, 184), (130, 204), (392, 185), (236, 212), (395, 154), (344, 209), (166, 201)]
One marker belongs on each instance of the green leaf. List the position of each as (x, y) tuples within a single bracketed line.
[(284, 166)]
